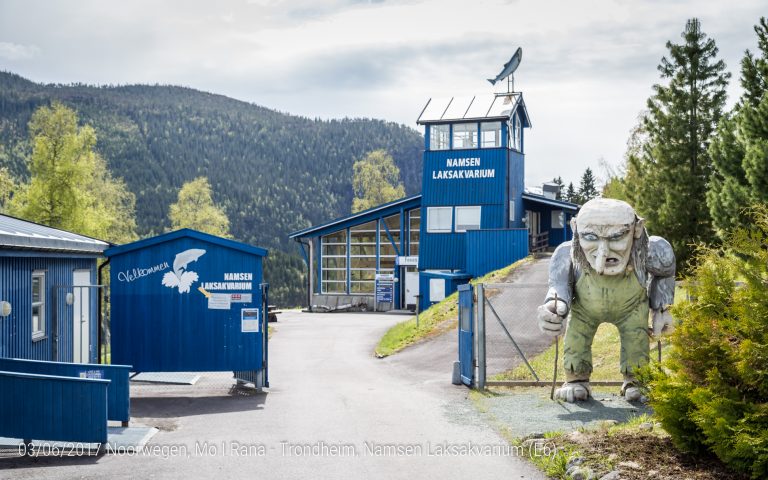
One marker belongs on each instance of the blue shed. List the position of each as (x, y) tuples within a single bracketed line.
[(48, 293), (188, 301)]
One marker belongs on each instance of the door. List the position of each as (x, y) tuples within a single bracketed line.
[(466, 333), (411, 287), (81, 316)]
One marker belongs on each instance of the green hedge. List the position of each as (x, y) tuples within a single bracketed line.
[(712, 392)]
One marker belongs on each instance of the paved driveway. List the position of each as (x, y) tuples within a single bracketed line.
[(334, 411)]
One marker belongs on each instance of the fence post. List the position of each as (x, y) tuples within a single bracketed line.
[(480, 289)]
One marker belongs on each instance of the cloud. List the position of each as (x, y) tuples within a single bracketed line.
[(15, 51)]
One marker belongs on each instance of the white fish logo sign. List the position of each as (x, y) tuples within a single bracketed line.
[(180, 277)]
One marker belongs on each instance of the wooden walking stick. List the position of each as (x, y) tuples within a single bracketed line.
[(557, 353)]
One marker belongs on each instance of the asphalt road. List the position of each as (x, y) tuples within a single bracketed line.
[(333, 411)]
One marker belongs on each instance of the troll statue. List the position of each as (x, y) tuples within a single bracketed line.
[(611, 271)]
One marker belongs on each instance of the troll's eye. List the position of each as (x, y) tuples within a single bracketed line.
[(618, 236), (590, 237)]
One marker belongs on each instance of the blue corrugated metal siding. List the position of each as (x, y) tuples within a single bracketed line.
[(517, 187), (464, 191), (42, 407), (441, 250), (16, 288), (489, 250), (157, 328), (118, 393)]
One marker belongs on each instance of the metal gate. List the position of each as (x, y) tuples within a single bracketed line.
[(466, 334)]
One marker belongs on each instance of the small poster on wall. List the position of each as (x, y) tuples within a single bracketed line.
[(249, 320), (219, 301)]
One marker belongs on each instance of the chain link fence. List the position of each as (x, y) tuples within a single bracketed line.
[(511, 335)]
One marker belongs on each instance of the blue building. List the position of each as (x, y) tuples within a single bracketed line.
[(473, 215), (48, 293), (187, 301)]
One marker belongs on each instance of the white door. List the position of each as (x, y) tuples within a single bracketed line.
[(81, 316), (411, 287)]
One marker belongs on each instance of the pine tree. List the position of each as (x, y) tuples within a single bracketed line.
[(674, 165), (587, 187), (195, 209), (740, 151), (560, 185), (570, 194), (376, 180)]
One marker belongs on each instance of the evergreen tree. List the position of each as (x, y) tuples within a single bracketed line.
[(70, 187), (376, 180), (674, 165), (740, 149), (195, 209), (560, 185), (587, 187), (570, 194)]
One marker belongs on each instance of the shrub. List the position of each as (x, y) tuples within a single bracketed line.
[(711, 393)]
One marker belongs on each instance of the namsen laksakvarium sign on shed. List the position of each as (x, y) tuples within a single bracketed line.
[(187, 301)]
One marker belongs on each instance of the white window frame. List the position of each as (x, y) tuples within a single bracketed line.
[(440, 137), (496, 131), (472, 133), (511, 210), (560, 216), (474, 209), (430, 216), (40, 305)]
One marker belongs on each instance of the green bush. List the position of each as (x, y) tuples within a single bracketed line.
[(711, 393)]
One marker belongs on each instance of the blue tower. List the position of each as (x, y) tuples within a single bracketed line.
[(473, 173)]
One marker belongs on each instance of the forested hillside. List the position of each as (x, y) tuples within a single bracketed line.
[(273, 172)]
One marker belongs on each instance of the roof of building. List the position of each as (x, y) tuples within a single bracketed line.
[(185, 232), (533, 197), (477, 107), (18, 234), (359, 217)]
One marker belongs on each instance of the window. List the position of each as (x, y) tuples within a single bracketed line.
[(362, 258), (414, 217), (387, 252), (490, 134), (465, 135), (467, 218), (38, 304), (333, 262), (438, 137), (558, 219), (515, 133), (439, 219), (511, 210)]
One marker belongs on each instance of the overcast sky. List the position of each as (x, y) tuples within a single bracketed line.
[(587, 69)]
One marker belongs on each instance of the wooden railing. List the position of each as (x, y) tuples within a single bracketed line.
[(538, 242)]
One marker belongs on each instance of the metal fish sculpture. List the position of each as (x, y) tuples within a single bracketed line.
[(509, 67), (179, 277)]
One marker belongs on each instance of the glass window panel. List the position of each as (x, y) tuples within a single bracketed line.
[(334, 250), (363, 262), (438, 137), (414, 217), (363, 250), (386, 263), (36, 288), (439, 219), (467, 218), (337, 237), (363, 287), (35, 319), (465, 135), (358, 275), (334, 287), (337, 275), (334, 262), (387, 249), (558, 219), (490, 133)]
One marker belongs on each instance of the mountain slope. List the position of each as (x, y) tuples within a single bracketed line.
[(273, 172)]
